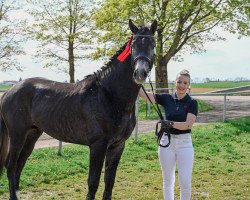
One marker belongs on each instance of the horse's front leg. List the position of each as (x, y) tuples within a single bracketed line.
[(113, 156), (97, 155)]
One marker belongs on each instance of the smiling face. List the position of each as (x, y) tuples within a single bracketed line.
[(182, 84)]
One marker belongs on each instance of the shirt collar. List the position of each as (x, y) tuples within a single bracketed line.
[(186, 97)]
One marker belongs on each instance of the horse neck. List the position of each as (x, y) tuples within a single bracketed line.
[(120, 84)]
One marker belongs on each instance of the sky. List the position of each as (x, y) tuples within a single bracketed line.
[(222, 60)]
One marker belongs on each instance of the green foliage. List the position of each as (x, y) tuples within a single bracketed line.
[(221, 160), (183, 26), (10, 36), (62, 30), (239, 23), (181, 23)]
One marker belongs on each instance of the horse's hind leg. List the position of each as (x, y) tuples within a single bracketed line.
[(33, 135), (113, 155)]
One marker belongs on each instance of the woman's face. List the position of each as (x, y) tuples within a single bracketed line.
[(182, 84)]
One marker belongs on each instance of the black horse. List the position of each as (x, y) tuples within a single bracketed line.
[(98, 111)]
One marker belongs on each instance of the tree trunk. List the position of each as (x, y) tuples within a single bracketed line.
[(161, 73), (71, 63)]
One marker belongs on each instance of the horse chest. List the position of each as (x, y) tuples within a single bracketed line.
[(124, 127)]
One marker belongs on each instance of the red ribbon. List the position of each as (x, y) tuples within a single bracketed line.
[(126, 51)]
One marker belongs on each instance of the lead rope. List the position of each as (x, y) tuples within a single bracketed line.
[(164, 124)]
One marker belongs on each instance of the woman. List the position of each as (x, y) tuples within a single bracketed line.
[(181, 110)]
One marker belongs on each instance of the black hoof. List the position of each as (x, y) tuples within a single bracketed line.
[(89, 197)]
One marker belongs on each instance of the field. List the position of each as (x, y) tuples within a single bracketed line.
[(216, 84), (212, 85), (221, 170), (220, 84), (4, 87)]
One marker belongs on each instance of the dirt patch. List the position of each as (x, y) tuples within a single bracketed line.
[(203, 90), (236, 106)]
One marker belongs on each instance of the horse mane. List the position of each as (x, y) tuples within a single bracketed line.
[(104, 71), (94, 78)]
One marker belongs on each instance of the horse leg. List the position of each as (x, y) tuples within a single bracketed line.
[(15, 148), (27, 149), (113, 155), (97, 155)]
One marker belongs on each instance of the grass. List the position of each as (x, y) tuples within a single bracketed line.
[(213, 84), (221, 169), (4, 87), (146, 114)]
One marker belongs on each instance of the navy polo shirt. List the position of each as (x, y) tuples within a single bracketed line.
[(177, 110)]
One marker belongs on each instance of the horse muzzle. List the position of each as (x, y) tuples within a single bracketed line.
[(142, 68)]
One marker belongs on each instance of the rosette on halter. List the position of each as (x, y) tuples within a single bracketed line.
[(126, 51)]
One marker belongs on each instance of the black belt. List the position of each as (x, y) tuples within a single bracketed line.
[(179, 132)]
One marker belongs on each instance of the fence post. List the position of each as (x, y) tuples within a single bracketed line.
[(148, 108), (136, 117), (224, 108), (59, 153)]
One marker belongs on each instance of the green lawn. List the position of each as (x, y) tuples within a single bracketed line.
[(221, 169), (4, 87), (214, 84)]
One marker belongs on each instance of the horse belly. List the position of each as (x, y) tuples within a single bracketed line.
[(62, 125), (67, 134)]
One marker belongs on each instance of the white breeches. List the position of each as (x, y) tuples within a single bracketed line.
[(180, 152)]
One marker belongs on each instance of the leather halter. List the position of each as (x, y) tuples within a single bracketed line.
[(141, 56)]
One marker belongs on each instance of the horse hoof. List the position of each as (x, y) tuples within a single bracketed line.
[(89, 197)]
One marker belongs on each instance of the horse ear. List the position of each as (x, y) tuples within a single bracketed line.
[(153, 27), (133, 27)]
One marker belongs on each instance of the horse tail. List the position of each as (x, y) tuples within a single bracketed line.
[(4, 144)]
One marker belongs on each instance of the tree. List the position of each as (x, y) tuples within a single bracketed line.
[(10, 40), (61, 27), (239, 21), (183, 25)]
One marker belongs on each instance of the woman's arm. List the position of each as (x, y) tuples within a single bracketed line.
[(143, 95), (188, 124)]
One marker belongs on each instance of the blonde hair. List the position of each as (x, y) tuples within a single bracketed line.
[(184, 72)]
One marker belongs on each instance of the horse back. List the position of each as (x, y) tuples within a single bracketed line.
[(51, 106)]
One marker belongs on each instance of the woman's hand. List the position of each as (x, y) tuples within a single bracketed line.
[(188, 124)]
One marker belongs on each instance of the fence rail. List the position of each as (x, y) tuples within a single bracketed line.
[(171, 90), (224, 112)]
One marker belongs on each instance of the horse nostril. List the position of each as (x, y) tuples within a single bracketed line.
[(144, 73), (135, 73)]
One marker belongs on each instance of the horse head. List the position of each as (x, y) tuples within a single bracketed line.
[(142, 50)]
